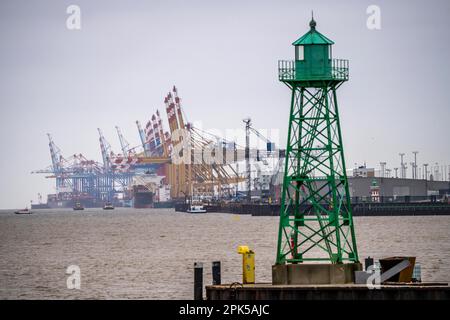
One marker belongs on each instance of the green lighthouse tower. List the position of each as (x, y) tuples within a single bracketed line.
[(316, 224)]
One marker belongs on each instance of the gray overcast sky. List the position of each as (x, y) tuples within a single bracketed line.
[(223, 56)]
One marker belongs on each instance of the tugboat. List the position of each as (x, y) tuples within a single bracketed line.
[(108, 206), (78, 206), (196, 209), (24, 211)]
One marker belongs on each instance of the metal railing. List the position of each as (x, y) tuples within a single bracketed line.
[(338, 69), (286, 69)]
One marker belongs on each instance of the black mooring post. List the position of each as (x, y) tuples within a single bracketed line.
[(368, 262), (216, 273), (198, 281)]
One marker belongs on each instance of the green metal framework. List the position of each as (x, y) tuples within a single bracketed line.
[(316, 216)]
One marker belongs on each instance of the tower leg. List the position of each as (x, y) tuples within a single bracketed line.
[(316, 217)]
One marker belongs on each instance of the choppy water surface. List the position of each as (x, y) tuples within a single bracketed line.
[(149, 253)]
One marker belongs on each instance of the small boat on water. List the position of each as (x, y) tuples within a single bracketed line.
[(23, 211), (78, 206), (196, 209), (108, 206)]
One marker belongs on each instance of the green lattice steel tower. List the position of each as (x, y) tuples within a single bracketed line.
[(316, 216)]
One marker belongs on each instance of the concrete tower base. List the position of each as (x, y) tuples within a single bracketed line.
[(314, 273)]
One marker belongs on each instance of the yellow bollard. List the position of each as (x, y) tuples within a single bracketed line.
[(248, 264)]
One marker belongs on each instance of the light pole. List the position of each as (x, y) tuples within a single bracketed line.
[(248, 122), (402, 166), (388, 173), (415, 164), (425, 171), (396, 172), (383, 166)]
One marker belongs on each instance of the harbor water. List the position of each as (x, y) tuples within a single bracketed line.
[(150, 253)]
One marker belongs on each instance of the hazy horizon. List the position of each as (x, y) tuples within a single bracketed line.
[(222, 56)]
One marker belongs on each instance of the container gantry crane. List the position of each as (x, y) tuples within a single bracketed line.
[(125, 146), (270, 147), (55, 154), (144, 143), (105, 148)]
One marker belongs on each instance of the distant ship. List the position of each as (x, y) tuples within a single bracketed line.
[(108, 206), (78, 206), (196, 209), (69, 200), (144, 188), (142, 197), (23, 211), (40, 206)]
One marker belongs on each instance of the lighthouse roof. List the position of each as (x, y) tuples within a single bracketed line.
[(312, 37)]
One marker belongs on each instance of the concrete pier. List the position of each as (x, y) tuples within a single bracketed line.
[(266, 291), (309, 273), (359, 209)]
